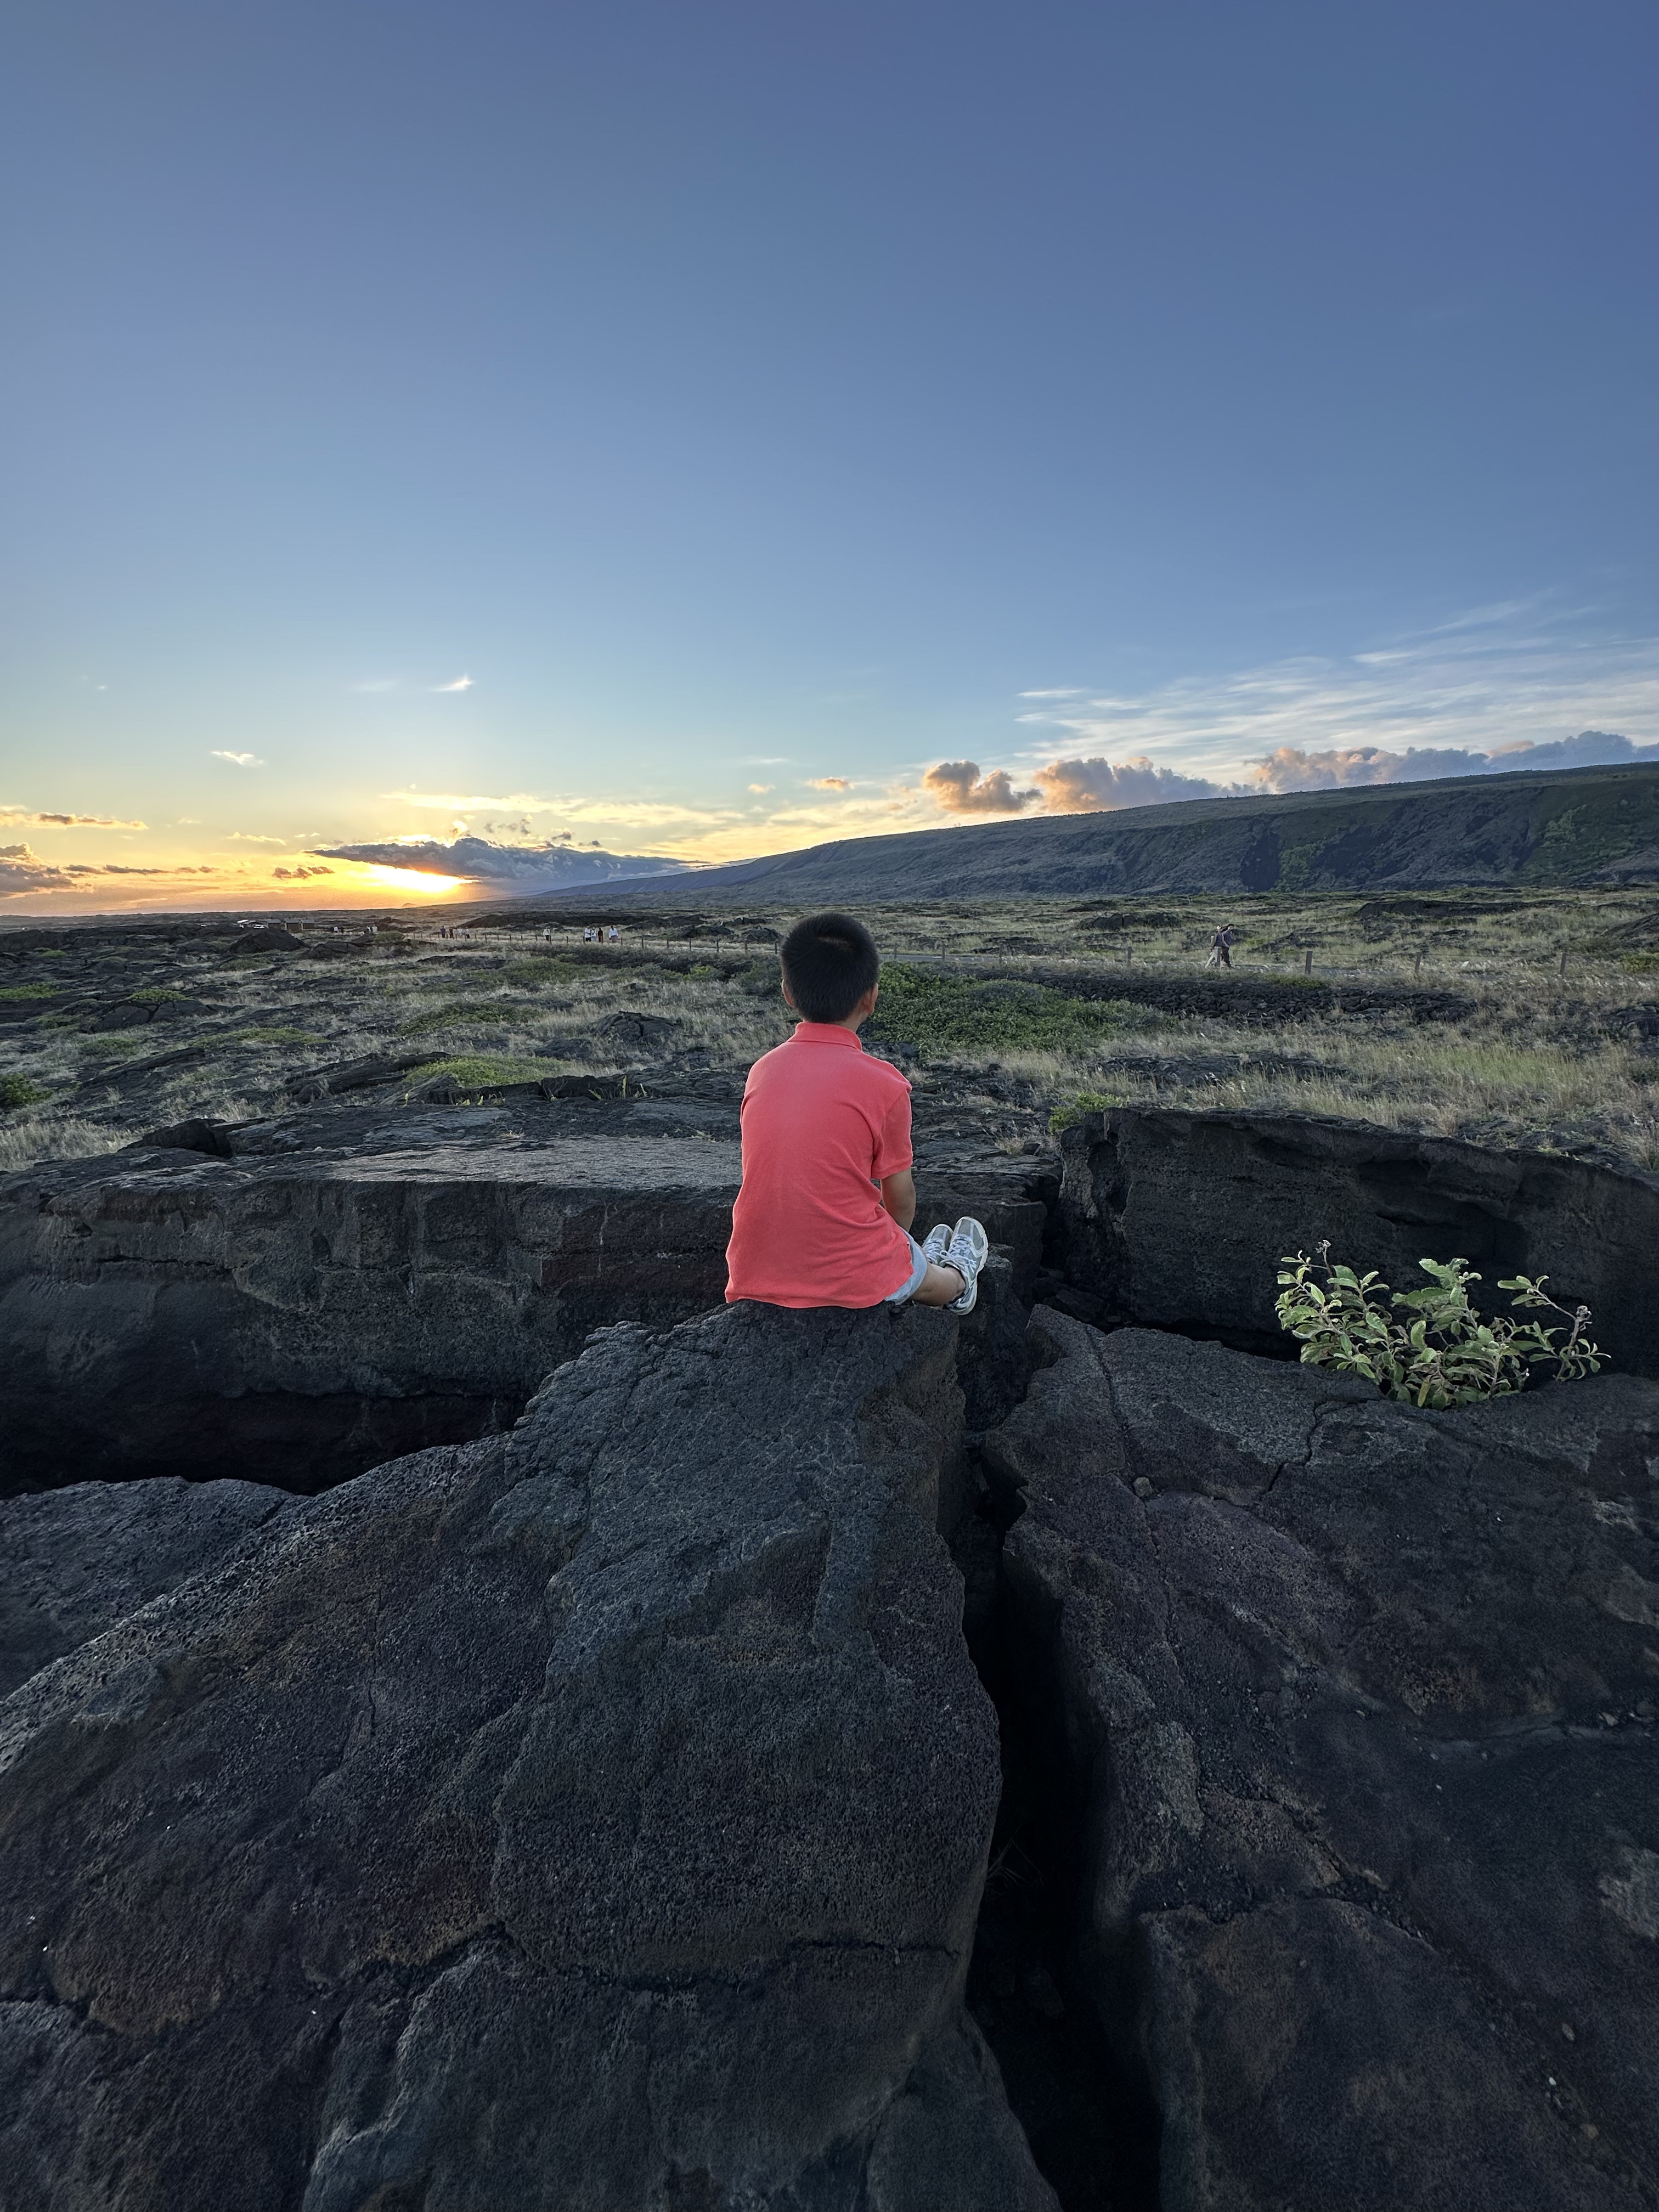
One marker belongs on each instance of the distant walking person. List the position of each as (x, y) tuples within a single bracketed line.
[(1221, 947)]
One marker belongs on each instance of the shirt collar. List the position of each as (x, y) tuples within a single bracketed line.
[(827, 1033)]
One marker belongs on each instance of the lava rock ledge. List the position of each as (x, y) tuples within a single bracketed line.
[(1357, 1708), (593, 1815)]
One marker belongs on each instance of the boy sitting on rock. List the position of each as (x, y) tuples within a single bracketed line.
[(823, 1215)]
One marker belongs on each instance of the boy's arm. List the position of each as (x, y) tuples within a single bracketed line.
[(898, 1195)]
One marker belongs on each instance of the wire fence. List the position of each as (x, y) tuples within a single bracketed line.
[(1154, 962)]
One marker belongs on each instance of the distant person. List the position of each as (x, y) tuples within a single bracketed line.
[(613, 935), (823, 1214), (1221, 946)]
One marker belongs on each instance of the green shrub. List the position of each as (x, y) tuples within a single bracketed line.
[(761, 978), (15, 993), (964, 1014), (1086, 1101), (158, 994), (273, 1035), (1439, 1352), (435, 1018), (1640, 963), (702, 972), (17, 1090), (482, 1070)]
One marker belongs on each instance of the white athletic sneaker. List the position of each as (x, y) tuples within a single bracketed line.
[(967, 1252), (937, 1243)]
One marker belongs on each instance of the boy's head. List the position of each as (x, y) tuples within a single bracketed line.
[(830, 962)]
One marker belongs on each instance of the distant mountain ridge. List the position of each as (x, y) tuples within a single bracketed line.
[(1563, 826)]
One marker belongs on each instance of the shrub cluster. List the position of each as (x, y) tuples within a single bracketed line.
[(1433, 1349), (942, 1014), (1074, 1109)]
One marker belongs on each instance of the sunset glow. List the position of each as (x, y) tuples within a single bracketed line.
[(414, 882)]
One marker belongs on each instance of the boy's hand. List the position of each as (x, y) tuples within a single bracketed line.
[(898, 1195)]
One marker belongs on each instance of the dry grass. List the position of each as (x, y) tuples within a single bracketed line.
[(1534, 1056), (55, 1137)]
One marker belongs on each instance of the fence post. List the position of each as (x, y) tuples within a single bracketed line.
[(1307, 962)]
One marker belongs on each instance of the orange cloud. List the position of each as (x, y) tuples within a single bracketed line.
[(959, 788)]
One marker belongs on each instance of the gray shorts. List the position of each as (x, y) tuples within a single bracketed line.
[(917, 1274)]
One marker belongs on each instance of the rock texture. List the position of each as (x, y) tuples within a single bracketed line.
[(295, 1300), (1358, 1708), (1179, 1219), (81, 1558), (296, 1315), (591, 1816)]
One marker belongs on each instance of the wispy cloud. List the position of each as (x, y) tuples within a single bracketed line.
[(371, 684), (452, 802), (25, 817), (237, 760), (1474, 687), (760, 789), (830, 783), (597, 809), (24, 872), (252, 837)]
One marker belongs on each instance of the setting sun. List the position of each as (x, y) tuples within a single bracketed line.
[(417, 881)]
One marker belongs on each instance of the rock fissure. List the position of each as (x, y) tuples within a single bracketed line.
[(734, 1877), (639, 1750), (1346, 1899), (1084, 2108)]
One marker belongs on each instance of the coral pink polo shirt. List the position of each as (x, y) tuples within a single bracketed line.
[(822, 1123)]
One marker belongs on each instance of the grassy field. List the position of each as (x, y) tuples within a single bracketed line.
[(1513, 1019)]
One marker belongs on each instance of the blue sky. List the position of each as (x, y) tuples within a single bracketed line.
[(681, 428)]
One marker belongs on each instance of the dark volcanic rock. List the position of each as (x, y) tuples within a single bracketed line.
[(591, 1817), (357, 1075), (274, 939), (137, 1013), (295, 1300), (643, 1036), (1358, 1706), (79, 1560), (1180, 1219), (294, 1316)]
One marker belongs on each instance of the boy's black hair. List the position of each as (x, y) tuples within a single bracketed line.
[(830, 962)]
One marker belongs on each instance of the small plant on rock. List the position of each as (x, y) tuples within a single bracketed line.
[(1085, 1102), (1428, 1347)]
